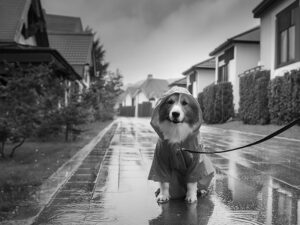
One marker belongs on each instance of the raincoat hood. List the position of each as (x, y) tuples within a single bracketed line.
[(155, 123)]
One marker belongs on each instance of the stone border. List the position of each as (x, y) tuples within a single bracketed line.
[(48, 189)]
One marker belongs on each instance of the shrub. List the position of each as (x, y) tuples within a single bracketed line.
[(284, 98), (254, 98), (218, 103), (200, 101)]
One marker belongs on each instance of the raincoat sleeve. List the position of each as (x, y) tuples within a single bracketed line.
[(160, 169), (200, 170)]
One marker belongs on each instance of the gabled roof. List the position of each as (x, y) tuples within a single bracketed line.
[(14, 13), (63, 24), (206, 64), (250, 36), (12, 16), (36, 55), (153, 88), (263, 7), (179, 82), (76, 48)]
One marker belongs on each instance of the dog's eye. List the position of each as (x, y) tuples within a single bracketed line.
[(170, 101), (184, 103)]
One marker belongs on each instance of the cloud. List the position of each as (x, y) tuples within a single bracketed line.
[(163, 37)]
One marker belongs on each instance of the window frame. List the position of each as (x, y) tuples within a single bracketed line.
[(293, 22)]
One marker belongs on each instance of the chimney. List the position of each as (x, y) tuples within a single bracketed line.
[(150, 76)]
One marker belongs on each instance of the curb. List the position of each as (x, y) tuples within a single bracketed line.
[(60, 177)]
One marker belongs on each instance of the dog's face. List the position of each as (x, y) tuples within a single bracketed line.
[(178, 108)]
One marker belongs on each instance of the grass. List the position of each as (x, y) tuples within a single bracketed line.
[(34, 162), (293, 132)]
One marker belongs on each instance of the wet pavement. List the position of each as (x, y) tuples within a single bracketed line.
[(259, 185)]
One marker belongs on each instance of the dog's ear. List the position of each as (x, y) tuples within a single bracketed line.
[(155, 122)]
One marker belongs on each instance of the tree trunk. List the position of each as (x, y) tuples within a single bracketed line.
[(67, 133), (2, 149), (15, 148)]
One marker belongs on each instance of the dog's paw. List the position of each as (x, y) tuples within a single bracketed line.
[(162, 198), (191, 198)]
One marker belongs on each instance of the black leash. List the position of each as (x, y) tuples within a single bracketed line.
[(251, 144)]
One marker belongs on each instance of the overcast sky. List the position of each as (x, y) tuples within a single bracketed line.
[(159, 37)]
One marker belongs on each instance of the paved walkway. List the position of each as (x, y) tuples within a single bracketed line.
[(259, 185)]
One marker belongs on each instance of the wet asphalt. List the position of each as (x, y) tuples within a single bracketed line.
[(258, 185)]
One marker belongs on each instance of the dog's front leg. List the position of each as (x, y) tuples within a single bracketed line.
[(191, 194), (164, 192)]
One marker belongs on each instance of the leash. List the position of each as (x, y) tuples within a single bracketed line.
[(286, 127)]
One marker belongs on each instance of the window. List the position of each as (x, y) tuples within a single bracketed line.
[(286, 36), (223, 64), (223, 73)]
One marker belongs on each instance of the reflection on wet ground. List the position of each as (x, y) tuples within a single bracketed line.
[(258, 185)]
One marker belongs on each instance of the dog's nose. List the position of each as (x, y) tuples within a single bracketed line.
[(175, 114)]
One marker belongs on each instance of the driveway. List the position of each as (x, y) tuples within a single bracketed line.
[(258, 185)]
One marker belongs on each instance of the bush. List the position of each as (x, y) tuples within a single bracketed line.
[(254, 98), (284, 98), (218, 103), (200, 101)]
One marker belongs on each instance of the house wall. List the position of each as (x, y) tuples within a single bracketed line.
[(268, 41), (246, 56), (204, 78), (29, 41), (231, 75), (127, 101), (139, 98)]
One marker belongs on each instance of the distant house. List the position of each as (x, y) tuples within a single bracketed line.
[(149, 91), (235, 56), (140, 98), (279, 36), (24, 39), (128, 96), (179, 82), (200, 75)]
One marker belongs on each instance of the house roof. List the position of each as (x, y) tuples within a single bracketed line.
[(32, 54), (263, 6), (12, 16), (206, 64), (179, 82), (65, 24), (153, 88), (249, 36), (14, 13), (75, 47)]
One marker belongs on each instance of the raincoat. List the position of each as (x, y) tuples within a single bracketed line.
[(179, 167)]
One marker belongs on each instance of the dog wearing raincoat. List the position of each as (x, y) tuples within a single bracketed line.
[(177, 118)]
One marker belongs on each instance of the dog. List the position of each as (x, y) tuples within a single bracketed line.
[(177, 118)]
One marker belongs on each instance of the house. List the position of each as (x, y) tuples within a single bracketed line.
[(128, 96), (24, 38), (200, 75), (139, 99), (150, 90), (178, 82), (236, 55), (279, 36), (76, 46)]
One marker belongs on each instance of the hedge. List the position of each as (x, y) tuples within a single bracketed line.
[(218, 103), (254, 97), (284, 98), (200, 101)]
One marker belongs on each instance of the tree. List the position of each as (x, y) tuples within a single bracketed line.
[(106, 85), (27, 93)]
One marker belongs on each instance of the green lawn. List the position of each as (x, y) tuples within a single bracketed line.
[(34, 162), (293, 132)]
